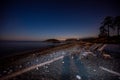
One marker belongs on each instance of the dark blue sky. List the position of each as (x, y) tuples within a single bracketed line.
[(43, 19)]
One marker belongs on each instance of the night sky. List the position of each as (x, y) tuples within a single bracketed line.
[(61, 19)]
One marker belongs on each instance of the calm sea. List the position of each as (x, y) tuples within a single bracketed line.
[(11, 47)]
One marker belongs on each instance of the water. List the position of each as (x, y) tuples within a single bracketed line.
[(12, 47)]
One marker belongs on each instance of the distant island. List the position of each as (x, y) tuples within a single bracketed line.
[(52, 40)]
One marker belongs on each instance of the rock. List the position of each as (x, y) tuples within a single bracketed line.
[(37, 60), (28, 62), (20, 66), (4, 71), (78, 77), (63, 52), (94, 70), (33, 55), (46, 66), (10, 71), (37, 68), (72, 57)]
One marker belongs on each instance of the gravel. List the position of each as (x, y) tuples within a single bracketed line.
[(71, 67)]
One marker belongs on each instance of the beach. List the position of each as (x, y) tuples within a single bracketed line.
[(60, 63)]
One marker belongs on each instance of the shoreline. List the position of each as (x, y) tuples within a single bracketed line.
[(91, 63), (18, 60), (32, 53)]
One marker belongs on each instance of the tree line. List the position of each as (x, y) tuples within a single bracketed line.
[(108, 23)]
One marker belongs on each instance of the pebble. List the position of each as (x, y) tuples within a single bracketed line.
[(20, 66), (63, 52), (72, 57), (37, 60), (28, 62), (4, 71), (51, 56), (37, 68), (78, 77), (94, 70), (46, 66), (33, 54), (10, 71)]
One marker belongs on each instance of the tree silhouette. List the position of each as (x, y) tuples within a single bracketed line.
[(117, 24), (103, 32), (108, 23)]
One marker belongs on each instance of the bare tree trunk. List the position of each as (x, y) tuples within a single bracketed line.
[(118, 31), (108, 31)]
